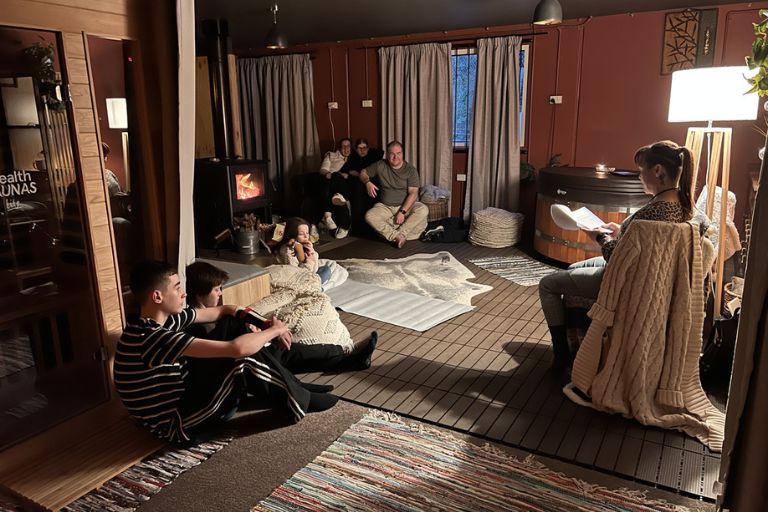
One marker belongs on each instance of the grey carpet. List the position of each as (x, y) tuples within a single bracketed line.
[(268, 450)]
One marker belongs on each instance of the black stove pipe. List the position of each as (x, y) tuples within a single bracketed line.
[(216, 34)]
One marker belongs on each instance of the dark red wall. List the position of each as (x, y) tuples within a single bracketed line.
[(106, 59), (13, 42), (608, 70)]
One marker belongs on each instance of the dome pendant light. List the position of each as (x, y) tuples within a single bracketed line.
[(548, 12), (276, 39)]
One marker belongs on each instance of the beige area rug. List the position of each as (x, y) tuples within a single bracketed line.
[(438, 276)]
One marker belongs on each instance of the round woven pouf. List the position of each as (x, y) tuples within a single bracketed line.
[(495, 228)]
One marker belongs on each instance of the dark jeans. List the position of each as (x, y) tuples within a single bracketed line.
[(337, 184)]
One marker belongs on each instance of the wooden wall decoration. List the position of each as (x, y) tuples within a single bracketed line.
[(689, 40)]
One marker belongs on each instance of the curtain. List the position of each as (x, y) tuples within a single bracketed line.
[(185, 19), (744, 465), (278, 116), (493, 166), (417, 108)]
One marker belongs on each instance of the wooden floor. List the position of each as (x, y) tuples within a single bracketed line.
[(486, 373)]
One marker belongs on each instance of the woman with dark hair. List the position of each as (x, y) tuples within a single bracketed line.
[(666, 171)]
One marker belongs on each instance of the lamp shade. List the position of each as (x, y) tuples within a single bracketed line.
[(117, 113), (276, 39), (711, 94), (548, 12)]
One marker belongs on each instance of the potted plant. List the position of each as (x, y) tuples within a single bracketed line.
[(41, 56)]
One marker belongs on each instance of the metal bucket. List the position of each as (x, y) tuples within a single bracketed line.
[(247, 241)]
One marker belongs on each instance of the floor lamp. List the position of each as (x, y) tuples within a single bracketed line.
[(712, 94)]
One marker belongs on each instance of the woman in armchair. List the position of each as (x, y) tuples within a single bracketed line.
[(667, 174)]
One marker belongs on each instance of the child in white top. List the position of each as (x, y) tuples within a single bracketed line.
[(297, 250)]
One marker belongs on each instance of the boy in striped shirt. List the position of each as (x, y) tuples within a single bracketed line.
[(176, 400)]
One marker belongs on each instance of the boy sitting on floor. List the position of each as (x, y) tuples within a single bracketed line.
[(204, 282), (176, 400)]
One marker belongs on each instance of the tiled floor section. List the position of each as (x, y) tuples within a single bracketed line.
[(485, 372)]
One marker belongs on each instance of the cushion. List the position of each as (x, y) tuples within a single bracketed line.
[(296, 299)]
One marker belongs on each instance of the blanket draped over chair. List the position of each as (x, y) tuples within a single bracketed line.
[(640, 355)]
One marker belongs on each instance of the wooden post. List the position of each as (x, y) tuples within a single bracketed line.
[(718, 168)]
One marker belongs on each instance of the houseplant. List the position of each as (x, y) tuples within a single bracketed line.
[(41, 57)]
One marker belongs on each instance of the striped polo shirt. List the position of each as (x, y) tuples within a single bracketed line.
[(149, 372)]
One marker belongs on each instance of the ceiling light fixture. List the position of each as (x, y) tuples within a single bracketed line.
[(548, 12), (276, 39)]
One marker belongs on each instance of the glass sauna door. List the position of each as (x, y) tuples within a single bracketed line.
[(50, 343)]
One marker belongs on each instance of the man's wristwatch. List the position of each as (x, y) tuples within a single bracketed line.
[(403, 211)]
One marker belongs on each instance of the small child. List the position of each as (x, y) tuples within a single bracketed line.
[(297, 250), (204, 283), (177, 400)]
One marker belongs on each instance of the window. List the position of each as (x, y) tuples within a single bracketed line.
[(464, 62)]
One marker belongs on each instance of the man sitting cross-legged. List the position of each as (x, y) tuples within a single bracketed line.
[(397, 216), (176, 400)]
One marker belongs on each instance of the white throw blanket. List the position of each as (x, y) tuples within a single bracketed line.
[(438, 276)]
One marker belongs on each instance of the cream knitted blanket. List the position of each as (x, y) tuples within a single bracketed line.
[(640, 356)]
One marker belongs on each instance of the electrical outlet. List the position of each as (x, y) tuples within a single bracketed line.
[(555, 100), (367, 103), (461, 177), (333, 105)]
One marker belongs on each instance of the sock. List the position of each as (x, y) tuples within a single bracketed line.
[(365, 355), (321, 401), (317, 388)]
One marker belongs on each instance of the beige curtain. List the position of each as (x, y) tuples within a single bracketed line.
[(417, 109), (744, 463), (493, 167), (185, 21), (278, 116)]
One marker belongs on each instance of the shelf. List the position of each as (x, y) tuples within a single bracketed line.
[(25, 222)]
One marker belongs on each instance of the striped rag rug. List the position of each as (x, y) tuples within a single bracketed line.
[(521, 269), (383, 463), (137, 484)]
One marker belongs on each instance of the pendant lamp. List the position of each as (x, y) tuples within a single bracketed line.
[(548, 12), (276, 39)]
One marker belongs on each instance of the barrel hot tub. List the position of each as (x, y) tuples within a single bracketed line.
[(610, 197)]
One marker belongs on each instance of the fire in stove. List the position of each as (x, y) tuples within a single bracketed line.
[(249, 185)]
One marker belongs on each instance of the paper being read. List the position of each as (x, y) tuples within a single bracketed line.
[(573, 220)]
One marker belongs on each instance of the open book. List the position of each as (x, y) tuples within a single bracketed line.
[(571, 220)]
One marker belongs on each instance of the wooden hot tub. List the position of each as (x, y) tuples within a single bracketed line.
[(610, 197)]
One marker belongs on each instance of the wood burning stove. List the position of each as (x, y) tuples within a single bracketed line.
[(225, 189)]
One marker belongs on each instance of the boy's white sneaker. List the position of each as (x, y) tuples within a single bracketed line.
[(342, 233), (338, 200)]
